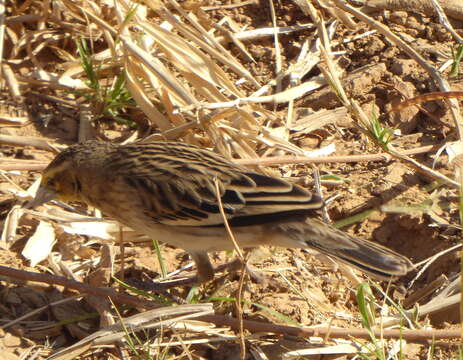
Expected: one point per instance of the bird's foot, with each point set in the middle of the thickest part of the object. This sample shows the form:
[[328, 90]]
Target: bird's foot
[[161, 287], [236, 266]]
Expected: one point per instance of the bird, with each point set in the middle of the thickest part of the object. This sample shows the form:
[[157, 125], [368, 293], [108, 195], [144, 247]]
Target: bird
[[170, 191]]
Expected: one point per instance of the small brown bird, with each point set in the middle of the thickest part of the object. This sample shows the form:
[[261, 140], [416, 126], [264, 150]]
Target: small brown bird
[[167, 190]]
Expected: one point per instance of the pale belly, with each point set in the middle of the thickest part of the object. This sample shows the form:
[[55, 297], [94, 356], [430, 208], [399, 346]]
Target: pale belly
[[203, 239]]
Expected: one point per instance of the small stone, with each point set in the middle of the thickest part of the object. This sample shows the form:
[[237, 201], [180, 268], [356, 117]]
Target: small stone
[[402, 66], [399, 17]]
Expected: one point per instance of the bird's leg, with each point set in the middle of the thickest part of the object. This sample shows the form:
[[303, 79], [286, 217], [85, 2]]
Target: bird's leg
[[205, 271], [236, 265]]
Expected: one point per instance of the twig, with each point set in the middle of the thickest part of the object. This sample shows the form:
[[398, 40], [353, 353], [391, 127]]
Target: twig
[[239, 308], [243, 270], [319, 191], [230, 6], [12, 82], [265, 32], [425, 291], [2, 30], [427, 262], [19, 164], [122, 255], [284, 96], [438, 95], [276, 45], [416, 336], [225, 220], [423, 168], [288, 160], [37, 142], [445, 21], [79, 286], [452, 8]]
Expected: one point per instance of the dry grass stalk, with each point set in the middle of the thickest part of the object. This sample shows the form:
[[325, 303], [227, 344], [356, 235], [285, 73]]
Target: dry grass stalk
[[453, 8], [163, 317]]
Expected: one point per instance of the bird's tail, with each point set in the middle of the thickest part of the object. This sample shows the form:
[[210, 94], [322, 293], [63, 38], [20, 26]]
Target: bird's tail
[[370, 258]]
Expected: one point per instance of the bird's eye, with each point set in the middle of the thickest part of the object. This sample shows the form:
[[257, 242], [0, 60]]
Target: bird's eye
[[51, 183]]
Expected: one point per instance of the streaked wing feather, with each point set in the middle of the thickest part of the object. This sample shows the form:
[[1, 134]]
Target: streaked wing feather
[[178, 188]]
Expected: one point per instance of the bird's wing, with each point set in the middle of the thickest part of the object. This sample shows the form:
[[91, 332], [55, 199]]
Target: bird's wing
[[178, 186]]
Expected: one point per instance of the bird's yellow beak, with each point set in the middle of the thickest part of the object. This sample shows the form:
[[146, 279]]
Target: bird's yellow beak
[[43, 195]]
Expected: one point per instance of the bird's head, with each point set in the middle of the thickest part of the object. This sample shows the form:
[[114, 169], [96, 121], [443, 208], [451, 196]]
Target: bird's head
[[62, 178]]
